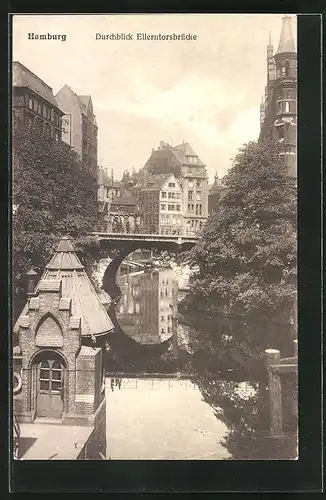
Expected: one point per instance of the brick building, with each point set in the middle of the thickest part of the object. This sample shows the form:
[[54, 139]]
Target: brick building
[[278, 110], [190, 172], [79, 125], [33, 102], [59, 336]]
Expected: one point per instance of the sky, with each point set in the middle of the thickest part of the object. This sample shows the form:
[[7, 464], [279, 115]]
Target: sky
[[205, 91]]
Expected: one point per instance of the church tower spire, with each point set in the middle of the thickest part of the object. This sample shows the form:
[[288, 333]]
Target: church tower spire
[[270, 60]]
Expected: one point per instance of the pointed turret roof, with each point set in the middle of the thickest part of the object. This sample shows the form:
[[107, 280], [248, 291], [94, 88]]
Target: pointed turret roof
[[286, 43], [65, 257], [65, 267]]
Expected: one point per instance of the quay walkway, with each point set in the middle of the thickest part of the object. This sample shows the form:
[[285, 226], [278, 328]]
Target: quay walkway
[[52, 441]]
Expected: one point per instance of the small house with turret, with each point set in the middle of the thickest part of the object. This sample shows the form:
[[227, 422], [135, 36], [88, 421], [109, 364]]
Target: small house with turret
[[60, 375]]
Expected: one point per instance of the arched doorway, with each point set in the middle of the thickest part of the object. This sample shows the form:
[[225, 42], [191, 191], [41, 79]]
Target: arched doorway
[[49, 371]]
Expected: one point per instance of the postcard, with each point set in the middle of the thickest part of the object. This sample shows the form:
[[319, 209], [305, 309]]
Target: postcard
[[154, 208]]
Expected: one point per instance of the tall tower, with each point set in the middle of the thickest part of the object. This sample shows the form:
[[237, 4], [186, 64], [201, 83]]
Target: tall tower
[[285, 90], [270, 61], [278, 116]]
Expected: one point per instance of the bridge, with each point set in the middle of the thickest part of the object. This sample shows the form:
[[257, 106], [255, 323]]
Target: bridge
[[125, 243], [139, 238]]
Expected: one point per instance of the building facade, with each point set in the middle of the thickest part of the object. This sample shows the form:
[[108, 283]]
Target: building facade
[[33, 102], [79, 127], [190, 172], [278, 110], [161, 203]]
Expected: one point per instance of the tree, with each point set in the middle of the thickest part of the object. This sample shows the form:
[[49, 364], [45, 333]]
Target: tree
[[53, 194], [247, 252]]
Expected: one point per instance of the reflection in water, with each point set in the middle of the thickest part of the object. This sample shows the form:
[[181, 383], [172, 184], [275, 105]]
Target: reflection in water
[[222, 355], [147, 309]]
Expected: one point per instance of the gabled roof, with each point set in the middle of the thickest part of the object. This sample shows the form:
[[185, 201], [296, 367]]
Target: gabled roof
[[181, 151], [24, 77], [66, 268], [286, 43], [157, 181], [83, 101]]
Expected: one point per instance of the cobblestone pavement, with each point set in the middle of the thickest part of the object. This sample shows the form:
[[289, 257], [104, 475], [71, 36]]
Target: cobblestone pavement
[[161, 419]]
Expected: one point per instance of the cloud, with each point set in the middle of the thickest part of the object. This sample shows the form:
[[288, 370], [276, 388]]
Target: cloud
[[205, 92]]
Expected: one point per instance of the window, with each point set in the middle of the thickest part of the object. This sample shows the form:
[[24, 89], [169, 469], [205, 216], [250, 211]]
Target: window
[[39, 108], [163, 206], [198, 209], [283, 70], [163, 194], [177, 208], [190, 195], [171, 207], [287, 107], [190, 184], [44, 111], [30, 103], [280, 132], [171, 195], [287, 68], [198, 195], [178, 196], [198, 183], [171, 184]]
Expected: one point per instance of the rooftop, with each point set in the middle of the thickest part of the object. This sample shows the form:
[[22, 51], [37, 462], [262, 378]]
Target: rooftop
[[65, 268], [157, 181], [24, 77], [286, 43], [125, 200], [184, 150]]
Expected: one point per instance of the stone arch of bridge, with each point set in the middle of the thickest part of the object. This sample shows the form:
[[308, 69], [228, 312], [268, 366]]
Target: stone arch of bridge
[[123, 250]]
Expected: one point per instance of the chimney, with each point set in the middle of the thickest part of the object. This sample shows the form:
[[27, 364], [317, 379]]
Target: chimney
[[31, 282]]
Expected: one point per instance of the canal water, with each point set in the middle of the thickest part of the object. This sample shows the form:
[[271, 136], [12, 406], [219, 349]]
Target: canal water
[[169, 396]]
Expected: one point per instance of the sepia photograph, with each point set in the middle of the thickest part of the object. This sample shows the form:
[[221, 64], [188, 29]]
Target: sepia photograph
[[154, 237]]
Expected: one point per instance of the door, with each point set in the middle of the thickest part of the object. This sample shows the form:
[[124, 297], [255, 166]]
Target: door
[[50, 389]]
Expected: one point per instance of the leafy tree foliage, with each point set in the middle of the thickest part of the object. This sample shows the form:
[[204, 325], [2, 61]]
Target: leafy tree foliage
[[53, 195], [247, 252]]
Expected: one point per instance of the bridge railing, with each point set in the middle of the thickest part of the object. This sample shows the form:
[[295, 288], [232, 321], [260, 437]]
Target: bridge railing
[[149, 236], [144, 231]]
